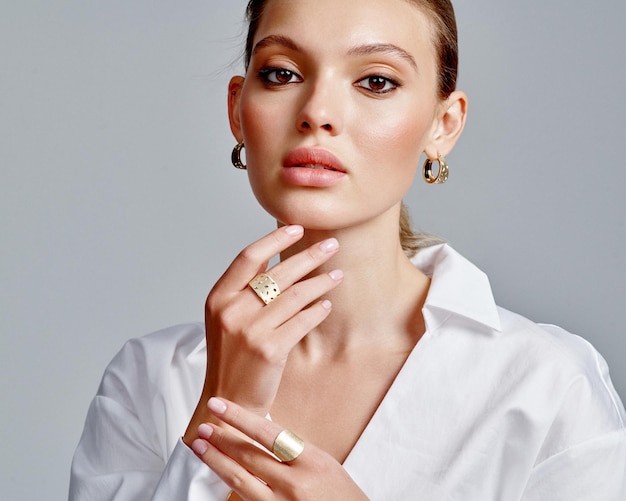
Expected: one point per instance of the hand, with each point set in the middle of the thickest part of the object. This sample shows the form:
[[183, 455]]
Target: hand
[[248, 342], [255, 475]]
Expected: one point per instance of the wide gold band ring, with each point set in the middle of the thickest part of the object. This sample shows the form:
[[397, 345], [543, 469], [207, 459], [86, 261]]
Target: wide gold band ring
[[287, 446], [265, 288]]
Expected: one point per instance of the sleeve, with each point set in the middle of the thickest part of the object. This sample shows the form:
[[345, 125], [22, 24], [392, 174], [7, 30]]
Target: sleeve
[[584, 453], [122, 454], [595, 469]]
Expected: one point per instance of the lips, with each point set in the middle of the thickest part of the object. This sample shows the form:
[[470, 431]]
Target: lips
[[313, 158], [312, 168]]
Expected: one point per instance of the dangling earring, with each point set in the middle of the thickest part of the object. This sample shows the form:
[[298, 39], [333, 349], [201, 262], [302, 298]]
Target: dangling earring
[[235, 156], [442, 172]]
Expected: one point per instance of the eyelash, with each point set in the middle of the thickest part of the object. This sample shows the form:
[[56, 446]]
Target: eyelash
[[265, 74], [394, 83]]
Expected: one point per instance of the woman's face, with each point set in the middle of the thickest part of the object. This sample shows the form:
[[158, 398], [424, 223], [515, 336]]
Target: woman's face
[[338, 103]]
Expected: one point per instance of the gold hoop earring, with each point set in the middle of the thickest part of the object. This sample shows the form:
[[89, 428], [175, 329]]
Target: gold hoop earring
[[235, 156], [442, 173]]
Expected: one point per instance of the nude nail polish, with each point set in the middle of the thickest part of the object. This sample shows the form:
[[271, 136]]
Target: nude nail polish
[[205, 431], [329, 245], [216, 405], [293, 230], [199, 446], [336, 275]]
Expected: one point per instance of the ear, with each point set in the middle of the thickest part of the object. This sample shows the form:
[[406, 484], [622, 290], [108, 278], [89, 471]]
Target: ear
[[234, 98], [448, 125]]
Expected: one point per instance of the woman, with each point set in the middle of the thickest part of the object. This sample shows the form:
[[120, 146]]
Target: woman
[[368, 375]]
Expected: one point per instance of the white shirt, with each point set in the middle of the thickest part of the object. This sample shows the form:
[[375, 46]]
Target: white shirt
[[488, 406]]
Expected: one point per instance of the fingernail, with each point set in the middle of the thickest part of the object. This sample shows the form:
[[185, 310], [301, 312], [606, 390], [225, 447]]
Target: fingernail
[[329, 245], [205, 431], [199, 446], [326, 304], [293, 230], [216, 405], [336, 275]]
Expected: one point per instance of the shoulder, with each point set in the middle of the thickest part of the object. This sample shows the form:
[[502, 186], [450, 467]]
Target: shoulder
[[543, 383], [561, 378], [548, 347], [146, 361], [163, 345]]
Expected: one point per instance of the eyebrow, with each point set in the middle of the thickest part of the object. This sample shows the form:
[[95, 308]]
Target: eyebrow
[[276, 40], [360, 50], [384, 48]]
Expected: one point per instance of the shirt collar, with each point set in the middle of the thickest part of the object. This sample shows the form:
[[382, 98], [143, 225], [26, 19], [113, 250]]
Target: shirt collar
[[457, 288]]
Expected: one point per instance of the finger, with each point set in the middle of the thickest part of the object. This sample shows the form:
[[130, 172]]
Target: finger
[[293, 269], [258, 428], [241, 450], [253, 258], [296, 298], [236, 476], [294, 330], [273, 345]]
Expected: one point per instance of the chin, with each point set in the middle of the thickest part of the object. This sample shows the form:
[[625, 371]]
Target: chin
[[316, 220], [292, 209], [308, 222], [324, 213], [309, 219]]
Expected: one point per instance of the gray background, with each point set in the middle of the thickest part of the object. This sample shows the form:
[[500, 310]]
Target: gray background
[[119, 206]]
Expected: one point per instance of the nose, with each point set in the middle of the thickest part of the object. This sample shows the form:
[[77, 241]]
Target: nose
[[321, 109]]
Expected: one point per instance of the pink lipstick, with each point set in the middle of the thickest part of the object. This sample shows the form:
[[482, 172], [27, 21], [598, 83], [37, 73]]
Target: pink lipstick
[[314, 167]]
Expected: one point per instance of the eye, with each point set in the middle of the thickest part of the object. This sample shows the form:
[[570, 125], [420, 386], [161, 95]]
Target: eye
[[378, 84], [279, 76]]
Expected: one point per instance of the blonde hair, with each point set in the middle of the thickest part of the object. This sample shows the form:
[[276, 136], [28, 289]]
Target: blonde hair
[[411, 240]]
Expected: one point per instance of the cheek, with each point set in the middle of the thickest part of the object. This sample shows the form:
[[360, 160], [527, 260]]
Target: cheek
[[254, 124], [395, 142], [263, 113], [263, 125]]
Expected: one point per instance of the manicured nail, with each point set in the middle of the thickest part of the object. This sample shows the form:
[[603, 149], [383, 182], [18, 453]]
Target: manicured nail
[[326, 304], [199, 446], [293, 230], [217, 406], [329, 245], [205, 431], [336, 275]]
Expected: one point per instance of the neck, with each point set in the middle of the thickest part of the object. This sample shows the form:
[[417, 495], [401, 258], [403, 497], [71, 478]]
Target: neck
[[380, 300]]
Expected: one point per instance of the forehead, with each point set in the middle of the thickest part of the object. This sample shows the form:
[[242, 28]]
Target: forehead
[[339, 25]]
